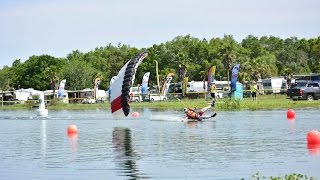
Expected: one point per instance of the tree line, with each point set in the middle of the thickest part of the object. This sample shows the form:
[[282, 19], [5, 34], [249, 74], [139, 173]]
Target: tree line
[[262, 57]]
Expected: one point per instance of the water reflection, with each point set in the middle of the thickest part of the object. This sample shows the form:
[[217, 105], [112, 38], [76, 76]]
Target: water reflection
[[73, 143], [125, 154], [314, 149], [43, 137], [191, 124], [194, 124], [292, 126]]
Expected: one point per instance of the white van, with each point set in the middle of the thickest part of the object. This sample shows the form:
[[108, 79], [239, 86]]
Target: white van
[[135, 94]]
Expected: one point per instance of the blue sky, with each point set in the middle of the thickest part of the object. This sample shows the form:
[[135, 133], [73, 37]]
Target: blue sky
[[57, 27]]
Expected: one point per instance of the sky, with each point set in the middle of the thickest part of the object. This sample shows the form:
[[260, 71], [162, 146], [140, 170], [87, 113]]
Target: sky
[[58, 27]]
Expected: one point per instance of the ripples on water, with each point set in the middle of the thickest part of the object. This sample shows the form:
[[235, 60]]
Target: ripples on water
[[155, 146]]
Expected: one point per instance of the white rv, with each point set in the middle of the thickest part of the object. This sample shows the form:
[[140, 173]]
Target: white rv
[[23, 94], [274, 85], [49, 95], [197, 86], [101, 95]]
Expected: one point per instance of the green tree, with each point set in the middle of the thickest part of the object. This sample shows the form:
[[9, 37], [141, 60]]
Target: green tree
[[5, 79], [229, 53], [34, 72], [79, 75]]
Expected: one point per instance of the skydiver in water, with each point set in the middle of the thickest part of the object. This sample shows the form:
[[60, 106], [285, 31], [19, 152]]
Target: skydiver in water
[[192, 114]]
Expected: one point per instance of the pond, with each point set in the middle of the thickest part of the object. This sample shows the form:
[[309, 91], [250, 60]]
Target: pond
[[156, 145]]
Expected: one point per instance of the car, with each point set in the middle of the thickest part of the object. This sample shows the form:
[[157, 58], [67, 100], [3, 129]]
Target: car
[[155, 97], [135, 98], [88, 100]]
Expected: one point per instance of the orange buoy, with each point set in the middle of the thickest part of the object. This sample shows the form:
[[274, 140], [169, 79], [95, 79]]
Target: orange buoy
[[72, 129], [291, 114], [313, 137], [135, 114]]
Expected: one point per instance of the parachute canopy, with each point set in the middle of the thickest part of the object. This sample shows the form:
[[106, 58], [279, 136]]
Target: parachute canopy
[[121, 86]]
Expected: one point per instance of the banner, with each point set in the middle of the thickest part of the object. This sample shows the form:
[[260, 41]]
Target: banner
[[211, 75], [144, 85], [166, 84], [234, 77], [96, 87], [61, 88]]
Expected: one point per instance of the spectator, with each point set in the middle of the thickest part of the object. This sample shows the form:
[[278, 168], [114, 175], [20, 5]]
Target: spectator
[[253, 89]]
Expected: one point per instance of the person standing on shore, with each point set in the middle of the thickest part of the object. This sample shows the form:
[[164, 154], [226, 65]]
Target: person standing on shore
[[253, 89], [213, 90]]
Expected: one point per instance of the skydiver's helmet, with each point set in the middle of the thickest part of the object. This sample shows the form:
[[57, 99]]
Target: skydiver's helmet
[[185, 110]]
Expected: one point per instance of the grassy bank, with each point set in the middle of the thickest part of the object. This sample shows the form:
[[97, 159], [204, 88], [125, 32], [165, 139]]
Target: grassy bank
[[264, 102]]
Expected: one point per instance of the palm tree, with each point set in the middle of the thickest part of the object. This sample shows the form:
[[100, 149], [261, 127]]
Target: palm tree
[[228, 54], [53, 75], [228, 58]]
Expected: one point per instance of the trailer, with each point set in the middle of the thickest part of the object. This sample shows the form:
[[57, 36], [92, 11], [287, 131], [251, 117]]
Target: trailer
[[275, 85]]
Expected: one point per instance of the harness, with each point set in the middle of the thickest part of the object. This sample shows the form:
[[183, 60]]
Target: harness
[[192, 115]]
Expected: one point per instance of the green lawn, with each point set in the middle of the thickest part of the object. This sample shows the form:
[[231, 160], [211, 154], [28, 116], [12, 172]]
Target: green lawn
[[264, 102]]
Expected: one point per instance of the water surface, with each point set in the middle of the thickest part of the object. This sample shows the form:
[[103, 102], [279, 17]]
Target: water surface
[[155, 145]]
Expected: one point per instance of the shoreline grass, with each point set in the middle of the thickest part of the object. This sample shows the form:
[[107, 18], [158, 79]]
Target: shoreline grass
[[264, 102]]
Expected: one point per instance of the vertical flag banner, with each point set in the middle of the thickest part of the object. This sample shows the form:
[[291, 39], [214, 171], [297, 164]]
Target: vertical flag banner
[[96, 87], [211, 75], [61, 88], [234, 77], [144, 84], [166, 84]]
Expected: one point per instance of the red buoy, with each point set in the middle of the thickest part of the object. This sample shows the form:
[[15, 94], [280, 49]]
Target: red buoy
[[72, 129], [313, 137], [291, 114], [135, 114]]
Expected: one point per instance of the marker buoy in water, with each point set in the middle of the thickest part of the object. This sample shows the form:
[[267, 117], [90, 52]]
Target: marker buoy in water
[[291, 114], [313, 137], [135, 114], [72, 129]]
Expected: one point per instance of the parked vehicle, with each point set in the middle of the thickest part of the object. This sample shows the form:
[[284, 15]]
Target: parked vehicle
[[305, 91], [155, 97], [101, 96], [135, 95], [88, 100], [274, 85]]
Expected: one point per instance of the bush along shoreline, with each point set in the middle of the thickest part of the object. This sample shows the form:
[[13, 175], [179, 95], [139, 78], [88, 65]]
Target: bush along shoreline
[[225, 104]]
